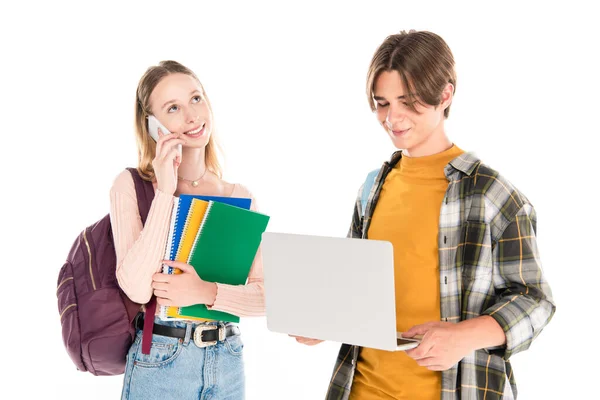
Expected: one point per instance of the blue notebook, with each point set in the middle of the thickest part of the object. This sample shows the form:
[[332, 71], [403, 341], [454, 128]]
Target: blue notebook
[[180, 212]]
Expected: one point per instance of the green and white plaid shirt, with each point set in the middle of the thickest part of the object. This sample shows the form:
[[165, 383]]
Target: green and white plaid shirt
[[489, 265]]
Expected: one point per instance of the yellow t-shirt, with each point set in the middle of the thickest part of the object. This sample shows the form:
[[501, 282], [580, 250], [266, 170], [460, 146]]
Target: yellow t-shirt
[[407, 214]]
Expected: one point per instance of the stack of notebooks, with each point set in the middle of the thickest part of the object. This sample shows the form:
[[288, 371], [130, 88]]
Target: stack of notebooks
[[219, 237]]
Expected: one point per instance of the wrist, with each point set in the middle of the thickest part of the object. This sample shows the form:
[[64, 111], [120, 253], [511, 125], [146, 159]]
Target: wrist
[[210, 293], [167, 191]]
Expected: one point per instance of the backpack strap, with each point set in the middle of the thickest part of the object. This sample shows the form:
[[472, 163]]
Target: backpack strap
[[144, 192], [367, 186]]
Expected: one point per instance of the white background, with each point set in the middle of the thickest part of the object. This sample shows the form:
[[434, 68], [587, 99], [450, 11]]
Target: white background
[[286, 81]]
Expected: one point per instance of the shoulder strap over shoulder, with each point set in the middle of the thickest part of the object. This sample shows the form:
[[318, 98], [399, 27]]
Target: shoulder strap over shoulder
[[367, 186], [144, 192]]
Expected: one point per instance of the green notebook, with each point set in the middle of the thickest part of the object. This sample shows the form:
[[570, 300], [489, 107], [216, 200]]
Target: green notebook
[[224, 250]]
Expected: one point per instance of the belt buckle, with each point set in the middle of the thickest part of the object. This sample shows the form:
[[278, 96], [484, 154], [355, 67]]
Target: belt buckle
[[201, 328]]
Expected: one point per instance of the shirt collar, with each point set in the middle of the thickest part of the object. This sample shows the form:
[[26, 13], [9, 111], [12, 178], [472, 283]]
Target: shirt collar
[[465, 163]]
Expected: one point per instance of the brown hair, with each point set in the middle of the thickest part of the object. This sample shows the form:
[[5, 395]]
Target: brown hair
[[145, 144], [424, 62]]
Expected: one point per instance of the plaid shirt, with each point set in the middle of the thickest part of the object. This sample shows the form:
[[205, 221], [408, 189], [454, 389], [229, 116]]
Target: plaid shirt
[[489, 265]]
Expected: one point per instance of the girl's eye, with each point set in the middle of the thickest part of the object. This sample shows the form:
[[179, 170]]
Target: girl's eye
[[197, 99], [173, 108]]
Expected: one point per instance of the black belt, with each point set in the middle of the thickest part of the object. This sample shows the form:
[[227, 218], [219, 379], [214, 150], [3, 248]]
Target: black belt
[[208, 334]]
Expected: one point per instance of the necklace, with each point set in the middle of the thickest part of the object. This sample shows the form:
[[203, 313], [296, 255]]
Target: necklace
[[194, 182]]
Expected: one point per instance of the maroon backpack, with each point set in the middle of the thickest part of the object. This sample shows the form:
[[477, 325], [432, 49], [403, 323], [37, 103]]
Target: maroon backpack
[[96, 316]]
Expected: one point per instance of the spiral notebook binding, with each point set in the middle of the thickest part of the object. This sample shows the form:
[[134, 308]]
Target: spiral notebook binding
[[206, 214], [170, 245], [169, 248], [184, 234], [174, 223]]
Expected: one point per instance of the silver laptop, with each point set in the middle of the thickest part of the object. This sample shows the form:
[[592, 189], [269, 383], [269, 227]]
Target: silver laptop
[[335, 289]]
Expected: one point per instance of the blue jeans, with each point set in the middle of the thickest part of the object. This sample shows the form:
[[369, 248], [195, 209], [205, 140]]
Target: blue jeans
[[178, 369]]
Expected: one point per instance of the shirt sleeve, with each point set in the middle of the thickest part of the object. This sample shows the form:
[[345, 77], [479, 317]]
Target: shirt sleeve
[[139, 249], [525, 304]]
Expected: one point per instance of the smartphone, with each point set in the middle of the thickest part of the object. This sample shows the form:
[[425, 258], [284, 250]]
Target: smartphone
[[153, 125], [407, 343]]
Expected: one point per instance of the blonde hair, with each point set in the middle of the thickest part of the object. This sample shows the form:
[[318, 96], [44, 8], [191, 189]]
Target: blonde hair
[[424, 62], [145, 144]]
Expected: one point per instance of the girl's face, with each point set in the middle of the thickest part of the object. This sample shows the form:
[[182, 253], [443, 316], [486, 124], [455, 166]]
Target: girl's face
[[178, 103]]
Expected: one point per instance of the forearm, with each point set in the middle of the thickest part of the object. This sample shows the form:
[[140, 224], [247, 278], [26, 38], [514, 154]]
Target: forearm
[[242, 300], [139, 252], [482, 332]]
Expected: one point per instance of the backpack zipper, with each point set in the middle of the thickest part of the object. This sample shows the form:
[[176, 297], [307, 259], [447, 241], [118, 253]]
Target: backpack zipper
[[89, 257]]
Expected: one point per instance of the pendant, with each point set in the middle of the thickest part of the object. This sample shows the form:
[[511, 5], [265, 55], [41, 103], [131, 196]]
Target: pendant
[[194, 183]]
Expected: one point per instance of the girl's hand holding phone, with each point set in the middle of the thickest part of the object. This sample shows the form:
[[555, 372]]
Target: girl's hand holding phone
[[167, 160]]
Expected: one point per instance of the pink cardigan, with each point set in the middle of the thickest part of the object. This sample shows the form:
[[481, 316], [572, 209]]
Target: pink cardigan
[[140, 251]]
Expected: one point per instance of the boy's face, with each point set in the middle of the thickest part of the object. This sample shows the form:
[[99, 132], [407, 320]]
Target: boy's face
[[419, 133]]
